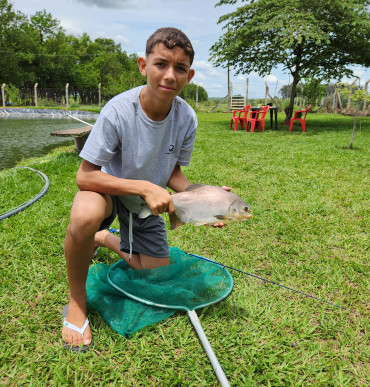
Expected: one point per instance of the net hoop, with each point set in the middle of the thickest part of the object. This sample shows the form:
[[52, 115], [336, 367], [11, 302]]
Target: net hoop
[[165, 306]]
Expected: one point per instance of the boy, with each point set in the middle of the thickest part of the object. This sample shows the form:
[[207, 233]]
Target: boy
[[133, 153]]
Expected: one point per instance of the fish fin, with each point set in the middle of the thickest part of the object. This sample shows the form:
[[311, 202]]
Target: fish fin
[[194, 186], [221, 217], [175, 223], [145, 212]]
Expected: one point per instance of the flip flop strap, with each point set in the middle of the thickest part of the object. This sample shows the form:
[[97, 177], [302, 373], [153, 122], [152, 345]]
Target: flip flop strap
[[75, 328]]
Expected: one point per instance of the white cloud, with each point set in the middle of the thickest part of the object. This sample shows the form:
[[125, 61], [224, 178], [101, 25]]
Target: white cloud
[[206, 67], [121, 39], [359, 72], [271, 78], [199, 75], [196, 44], [112, 4]]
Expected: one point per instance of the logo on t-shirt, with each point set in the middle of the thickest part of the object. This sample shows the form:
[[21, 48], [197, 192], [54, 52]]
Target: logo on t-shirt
[[171, 148]]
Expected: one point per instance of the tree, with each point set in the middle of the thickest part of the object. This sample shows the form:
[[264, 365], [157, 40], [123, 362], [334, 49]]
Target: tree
[[36, 49], [12, 38], [313, 90], [310, 39], [285, 91], [358, 97], [190, 91], [44, 23]]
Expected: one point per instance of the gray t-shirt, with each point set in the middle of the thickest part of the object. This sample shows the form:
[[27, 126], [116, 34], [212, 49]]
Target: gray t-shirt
[[127, 144]]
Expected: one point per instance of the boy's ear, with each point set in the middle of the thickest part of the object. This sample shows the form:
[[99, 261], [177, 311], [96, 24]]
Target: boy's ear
[[141, 62], [190, 75]]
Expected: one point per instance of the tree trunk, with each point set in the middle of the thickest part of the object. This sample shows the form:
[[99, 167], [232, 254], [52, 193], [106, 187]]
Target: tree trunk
[[289, 109]]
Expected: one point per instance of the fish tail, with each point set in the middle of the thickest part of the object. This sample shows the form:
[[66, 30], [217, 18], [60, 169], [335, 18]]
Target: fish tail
[[145, 212]]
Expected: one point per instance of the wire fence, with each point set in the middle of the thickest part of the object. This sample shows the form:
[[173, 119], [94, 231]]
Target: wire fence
[[52, 96], [74, 96]]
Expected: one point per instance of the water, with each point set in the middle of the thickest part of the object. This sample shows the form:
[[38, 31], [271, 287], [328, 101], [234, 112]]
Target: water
[[23, 137]]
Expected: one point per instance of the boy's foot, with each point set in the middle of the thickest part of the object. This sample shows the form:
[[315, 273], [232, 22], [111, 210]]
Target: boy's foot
[[72, 339], [99, 238]]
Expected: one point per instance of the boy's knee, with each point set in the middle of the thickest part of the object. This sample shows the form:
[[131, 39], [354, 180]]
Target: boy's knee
[[84, 221], [79, 226]]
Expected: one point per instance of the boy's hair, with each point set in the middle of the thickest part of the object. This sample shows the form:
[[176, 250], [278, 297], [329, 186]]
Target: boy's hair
[[170, 37]]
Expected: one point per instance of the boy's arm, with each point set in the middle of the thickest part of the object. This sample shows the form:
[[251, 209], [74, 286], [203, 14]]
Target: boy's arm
[[178, 182], [91, 178]]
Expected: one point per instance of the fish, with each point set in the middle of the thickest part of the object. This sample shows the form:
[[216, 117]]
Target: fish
[[203, 204]]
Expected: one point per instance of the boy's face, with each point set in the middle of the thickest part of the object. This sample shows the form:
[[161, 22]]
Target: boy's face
[[167, 71]]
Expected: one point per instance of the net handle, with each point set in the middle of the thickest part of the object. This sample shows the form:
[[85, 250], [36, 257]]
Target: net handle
[[208, 348]]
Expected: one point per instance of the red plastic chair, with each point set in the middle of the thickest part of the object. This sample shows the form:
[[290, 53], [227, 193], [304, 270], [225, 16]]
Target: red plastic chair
[[256, 119], [240, 115], [298, 116]]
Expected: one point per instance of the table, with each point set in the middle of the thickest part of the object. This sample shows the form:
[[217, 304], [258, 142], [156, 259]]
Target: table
[[80, 136], [273, 114]]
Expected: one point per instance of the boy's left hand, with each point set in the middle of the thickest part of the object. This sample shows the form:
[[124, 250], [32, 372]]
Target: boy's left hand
[[220, 224]]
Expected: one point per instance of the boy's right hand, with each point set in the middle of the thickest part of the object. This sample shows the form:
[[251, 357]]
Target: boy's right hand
[[159, 200]]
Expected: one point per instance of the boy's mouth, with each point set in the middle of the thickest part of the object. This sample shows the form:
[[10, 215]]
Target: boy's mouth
[[167, 88]]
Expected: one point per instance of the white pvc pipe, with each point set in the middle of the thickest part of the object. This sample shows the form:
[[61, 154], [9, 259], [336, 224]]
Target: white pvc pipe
[[207, 346], [68, 115]]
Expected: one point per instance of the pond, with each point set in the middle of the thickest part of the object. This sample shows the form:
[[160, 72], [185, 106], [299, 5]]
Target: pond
[[22, 137]]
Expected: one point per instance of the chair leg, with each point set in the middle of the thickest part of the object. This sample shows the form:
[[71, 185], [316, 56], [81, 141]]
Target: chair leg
[[291, 125], [253, 123], [303, 125], [236, 125]]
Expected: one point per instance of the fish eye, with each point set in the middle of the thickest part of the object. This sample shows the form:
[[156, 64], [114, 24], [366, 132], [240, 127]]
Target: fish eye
[[246, 209]]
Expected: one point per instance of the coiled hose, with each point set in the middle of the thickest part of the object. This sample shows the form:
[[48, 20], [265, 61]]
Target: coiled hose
[[33, 200]]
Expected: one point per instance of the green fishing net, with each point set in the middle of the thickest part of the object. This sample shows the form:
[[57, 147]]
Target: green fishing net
[[129, 300]]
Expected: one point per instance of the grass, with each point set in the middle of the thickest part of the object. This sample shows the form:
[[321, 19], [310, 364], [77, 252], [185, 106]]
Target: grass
[[310, 198]]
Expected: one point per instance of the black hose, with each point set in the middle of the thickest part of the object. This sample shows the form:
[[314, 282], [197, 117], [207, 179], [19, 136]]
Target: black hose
[[27, 204]]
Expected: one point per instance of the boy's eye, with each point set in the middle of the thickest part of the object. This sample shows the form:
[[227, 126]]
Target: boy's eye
[[160, 64]]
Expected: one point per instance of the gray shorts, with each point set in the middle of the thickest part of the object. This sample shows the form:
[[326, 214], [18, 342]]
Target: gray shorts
[[149, 234]]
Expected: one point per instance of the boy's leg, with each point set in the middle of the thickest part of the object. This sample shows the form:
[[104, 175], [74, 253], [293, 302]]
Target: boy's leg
[[89, 209], [138, 261]]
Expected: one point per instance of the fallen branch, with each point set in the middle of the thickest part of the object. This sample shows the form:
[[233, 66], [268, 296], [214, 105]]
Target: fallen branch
[[275, 102], [223, 99]]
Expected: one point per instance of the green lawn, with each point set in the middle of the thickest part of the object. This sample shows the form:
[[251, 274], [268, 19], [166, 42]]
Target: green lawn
[[310, 199]]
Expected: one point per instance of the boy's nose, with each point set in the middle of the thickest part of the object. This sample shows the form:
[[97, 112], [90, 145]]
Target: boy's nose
[[170, 74]]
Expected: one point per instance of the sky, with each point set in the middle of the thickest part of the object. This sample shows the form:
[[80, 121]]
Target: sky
[[131, 22]]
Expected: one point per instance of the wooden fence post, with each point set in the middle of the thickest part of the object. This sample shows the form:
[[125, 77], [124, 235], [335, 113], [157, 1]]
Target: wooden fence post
[[365, 99], [67, 97], [230, 91], [35, 93], [197, 96], [334, 101], [246, 91], [2, 94], [350, 92], [266, 92], [99, 87], [339, 98]]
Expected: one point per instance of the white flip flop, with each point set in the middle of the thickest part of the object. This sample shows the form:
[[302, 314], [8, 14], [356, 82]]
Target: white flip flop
[[81, 331]]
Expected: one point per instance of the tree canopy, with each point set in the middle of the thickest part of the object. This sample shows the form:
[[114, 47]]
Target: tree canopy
[[310, 39], [190, 91], [36, 49]]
